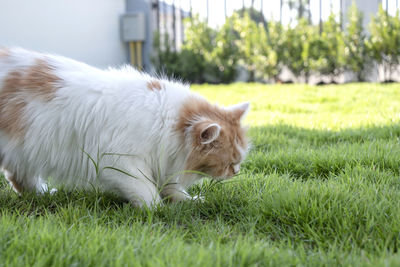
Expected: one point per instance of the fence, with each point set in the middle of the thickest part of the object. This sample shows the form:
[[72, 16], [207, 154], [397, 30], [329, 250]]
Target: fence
[[170, 13]]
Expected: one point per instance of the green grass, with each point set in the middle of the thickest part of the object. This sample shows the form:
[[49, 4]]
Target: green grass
[[321, 186]]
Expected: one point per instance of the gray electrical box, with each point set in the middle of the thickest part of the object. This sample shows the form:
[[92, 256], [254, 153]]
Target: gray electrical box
[[134, 27]]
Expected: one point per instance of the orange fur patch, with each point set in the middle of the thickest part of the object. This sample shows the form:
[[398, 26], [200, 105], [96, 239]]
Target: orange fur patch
[[36, 81], [196, 107], [218, 157], [17, 186], [154, 85]]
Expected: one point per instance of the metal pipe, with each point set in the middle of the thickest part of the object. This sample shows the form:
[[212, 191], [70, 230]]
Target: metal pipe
[[207, 11], [132, 53], [139, 55], [173, 26], [225, 8], [387, 7], [158, 14], [320, 17], [341, 14]]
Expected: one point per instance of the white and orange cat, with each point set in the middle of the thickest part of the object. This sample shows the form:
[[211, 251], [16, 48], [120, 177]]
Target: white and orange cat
[[141, 137]]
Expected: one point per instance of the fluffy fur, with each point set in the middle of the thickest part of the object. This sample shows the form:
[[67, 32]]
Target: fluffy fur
[[124, 131]]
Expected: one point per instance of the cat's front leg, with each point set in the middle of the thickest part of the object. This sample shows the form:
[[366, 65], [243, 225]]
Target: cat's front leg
[[175, 193], [135, 185]]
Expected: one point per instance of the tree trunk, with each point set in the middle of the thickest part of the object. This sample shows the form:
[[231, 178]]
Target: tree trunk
[[251, 76], [384, 71], [306, 77], [360, 76]]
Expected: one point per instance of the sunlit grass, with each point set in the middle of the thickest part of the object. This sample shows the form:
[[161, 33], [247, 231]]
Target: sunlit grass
[[314, 107], [321, 186]]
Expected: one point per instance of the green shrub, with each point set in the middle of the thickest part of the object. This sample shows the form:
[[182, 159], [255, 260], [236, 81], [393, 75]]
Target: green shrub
[[356, 53], [225, 54], [165, 60], [263, 48], [297, 49], [269, 63], [248, 43], [197, 49], [384, 42], [333, 48], [190, 63]]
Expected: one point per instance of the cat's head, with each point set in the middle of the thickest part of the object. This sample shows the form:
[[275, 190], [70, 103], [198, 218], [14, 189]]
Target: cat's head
[[215, 136]]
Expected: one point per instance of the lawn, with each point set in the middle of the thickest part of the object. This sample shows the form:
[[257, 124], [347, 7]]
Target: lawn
[[321, 186]]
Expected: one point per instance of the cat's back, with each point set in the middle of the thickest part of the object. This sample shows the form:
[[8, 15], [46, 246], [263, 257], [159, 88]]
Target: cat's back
[[33, 72], [43, 88], [29, 70]]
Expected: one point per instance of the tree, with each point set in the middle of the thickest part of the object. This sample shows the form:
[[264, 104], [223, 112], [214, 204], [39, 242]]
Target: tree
[[193, 61], [333, 48], [315, 52], [196, 50], [254, 14], [302, 7], [296, 55], [271, 66], [356, 54], [384, 41], [248, 43], [165, 59], [225, 54]]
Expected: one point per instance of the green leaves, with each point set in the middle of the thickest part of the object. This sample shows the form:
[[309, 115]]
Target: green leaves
[[384, 42], [247, 41], [356, 53]]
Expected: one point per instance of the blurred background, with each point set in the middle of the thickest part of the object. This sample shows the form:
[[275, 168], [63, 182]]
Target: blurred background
[[218, 41]]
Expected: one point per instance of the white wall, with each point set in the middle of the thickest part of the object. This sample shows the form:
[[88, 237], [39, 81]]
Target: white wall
[[86, 30]]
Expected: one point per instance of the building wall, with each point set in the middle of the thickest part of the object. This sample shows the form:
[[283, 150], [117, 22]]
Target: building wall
[[86, 30]]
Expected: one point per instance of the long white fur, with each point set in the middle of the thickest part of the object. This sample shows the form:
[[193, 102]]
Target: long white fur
[[96, 112]]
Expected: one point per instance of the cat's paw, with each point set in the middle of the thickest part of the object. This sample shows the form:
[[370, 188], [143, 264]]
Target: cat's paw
[[44, 188], [199, 198], [53, 191]]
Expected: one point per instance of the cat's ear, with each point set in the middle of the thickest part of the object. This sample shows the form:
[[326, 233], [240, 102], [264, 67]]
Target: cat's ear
[[240, 110], [209, 133]]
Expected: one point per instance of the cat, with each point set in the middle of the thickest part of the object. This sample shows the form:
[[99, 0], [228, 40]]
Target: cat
[[144, 138]]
